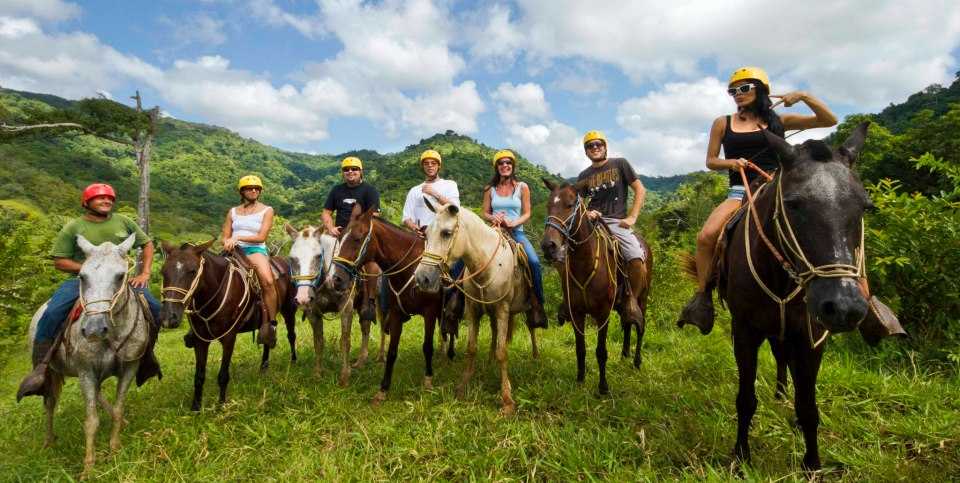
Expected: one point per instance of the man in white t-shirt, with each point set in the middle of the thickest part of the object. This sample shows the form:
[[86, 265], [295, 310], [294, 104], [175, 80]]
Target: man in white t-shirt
[[416, 215]]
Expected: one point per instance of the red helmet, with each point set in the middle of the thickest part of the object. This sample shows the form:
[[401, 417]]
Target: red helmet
[[97, 189]]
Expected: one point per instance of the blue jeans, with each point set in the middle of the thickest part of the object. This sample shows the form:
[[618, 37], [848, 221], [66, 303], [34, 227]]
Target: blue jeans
[[62, 301], [534, 261]]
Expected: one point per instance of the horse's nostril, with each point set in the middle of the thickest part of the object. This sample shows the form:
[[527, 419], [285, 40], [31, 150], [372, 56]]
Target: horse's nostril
[[828, 308]]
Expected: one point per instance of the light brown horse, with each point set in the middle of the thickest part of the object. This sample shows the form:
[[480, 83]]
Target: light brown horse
[[585, 254]]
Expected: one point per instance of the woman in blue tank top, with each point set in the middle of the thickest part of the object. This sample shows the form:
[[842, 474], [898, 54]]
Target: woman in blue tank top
[[506, 204], [742, 139]]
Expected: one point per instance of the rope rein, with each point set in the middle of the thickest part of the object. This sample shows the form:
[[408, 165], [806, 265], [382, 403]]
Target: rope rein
[[119, 300], [192, 310]]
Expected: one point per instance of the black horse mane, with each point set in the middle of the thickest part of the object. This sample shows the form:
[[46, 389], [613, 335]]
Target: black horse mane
[[818, 150]]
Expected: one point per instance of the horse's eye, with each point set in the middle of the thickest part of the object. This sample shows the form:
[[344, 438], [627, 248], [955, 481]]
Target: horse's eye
[[118, 277], [446, 233], [569, 205]]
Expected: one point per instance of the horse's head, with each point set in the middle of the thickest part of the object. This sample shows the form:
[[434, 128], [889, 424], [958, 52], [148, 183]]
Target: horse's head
[[353, 250], [442, 248], [823, 202], [182, 273], [562, 209], [310, 257], [103, 281]]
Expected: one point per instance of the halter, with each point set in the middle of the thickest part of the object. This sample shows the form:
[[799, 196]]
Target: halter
[[350, 266], [192, 310], [310, 279], [565, 226], [122, 293], [787, 238], [441, 262]]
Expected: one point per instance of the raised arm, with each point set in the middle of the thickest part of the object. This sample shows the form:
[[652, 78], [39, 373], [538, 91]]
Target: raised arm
[[822, 116]]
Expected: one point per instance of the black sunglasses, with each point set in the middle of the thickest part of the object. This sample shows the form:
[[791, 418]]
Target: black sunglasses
[[351, 168], [742, 89], [504, 162], [594, 145]]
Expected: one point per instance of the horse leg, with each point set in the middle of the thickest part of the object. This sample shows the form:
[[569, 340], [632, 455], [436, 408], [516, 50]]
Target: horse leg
[[745, 346], [90, 387], [780, 356], [602, 359], [641, 328], [430, 323], [223, 377], [364, 343], [396, 328], [581, 346], [123, 385], [535, 351], [290, 320], [804, 368], [626, 326], [506, 392], [346, 323], [493, 337], [473, 319], [317, 324], [383, 341], [200, 349], [54, 385]]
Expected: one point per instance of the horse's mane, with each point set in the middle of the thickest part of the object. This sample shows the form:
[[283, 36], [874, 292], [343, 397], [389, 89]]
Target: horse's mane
[[394, 227], [818, 150]]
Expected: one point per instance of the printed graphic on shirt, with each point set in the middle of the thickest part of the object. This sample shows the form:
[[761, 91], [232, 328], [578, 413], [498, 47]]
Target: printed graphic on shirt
[[603, 180]]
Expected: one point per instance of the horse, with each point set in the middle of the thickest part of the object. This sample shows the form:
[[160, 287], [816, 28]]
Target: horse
[[495, 283], [368, 237], [798, 288], [108, 340], [592, 258], [311, 266], [216, 294]]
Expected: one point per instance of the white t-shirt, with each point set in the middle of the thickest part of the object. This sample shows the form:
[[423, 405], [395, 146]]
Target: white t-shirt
[[415, 209]]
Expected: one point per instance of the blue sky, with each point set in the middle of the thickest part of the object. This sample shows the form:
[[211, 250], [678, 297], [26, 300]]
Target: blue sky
[[334, 75]]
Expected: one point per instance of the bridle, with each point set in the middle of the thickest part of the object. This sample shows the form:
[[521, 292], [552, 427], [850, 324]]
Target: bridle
[[190, 307], [120, 297], [566, 226], [441, 262], [350, 266], [312, 279]]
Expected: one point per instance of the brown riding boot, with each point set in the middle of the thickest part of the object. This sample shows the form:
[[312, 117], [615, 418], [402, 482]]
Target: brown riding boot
[[630, 309], [149, 365], [880, 322], [698, 312], [35, 383]]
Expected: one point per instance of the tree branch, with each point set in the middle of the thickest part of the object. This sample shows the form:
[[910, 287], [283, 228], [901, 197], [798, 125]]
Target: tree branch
[[8, 128]]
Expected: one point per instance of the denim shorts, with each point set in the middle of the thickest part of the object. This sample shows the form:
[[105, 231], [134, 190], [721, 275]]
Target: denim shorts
[[250, 250], [736, 192]]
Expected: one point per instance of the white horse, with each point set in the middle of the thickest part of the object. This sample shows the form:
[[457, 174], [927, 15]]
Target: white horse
[[108, 340], [311, 259], [494, 283]]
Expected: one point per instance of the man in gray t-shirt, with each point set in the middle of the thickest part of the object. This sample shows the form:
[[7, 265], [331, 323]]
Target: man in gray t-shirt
[[606, 182]]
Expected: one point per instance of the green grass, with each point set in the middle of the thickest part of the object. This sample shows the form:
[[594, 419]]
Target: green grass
[[673, 419]]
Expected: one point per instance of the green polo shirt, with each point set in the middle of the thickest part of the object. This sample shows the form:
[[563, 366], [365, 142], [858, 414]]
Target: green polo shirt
[[114, 229]]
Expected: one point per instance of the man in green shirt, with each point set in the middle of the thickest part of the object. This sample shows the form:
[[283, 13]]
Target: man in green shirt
[[98, 225]]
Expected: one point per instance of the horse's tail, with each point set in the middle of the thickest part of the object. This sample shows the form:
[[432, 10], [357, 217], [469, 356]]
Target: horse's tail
[[688, 264]]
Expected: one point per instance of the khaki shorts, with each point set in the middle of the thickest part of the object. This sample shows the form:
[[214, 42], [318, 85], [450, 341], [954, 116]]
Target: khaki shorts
[[630, 248]]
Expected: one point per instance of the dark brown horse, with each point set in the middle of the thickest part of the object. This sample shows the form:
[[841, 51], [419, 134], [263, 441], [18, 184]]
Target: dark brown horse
[[216, 294], [585, 255], [789, 274], [397, 252]]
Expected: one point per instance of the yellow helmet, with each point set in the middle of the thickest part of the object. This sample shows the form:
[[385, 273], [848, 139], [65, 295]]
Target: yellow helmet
[[504, 153], [431, 154], [250, 180], [351, 161], [750, 73], [593, 135]]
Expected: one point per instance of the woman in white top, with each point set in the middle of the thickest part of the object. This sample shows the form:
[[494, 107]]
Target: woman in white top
[[246, 228]]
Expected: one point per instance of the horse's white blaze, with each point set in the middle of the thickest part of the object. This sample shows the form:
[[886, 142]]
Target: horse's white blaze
[[303, 294], [178, 266], [556, 199]]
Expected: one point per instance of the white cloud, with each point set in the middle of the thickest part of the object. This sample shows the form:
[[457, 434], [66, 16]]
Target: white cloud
[[520, 103], [199, 28], [52, 10], [861, 53], [456, 108], [491, 36], [310, 26]]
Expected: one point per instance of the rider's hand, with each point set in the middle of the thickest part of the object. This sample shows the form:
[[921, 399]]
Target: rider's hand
[[335, 231], [790, 98], [422, 232], [140, 281], [593, 215], [628, 222], [229, 243], [428, 190], [738, 163]]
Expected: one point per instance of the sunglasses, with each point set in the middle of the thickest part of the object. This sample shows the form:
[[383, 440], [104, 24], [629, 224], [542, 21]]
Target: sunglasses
[[505, 162], [594, 145], [351, 168], [248, 188], [742, 89]]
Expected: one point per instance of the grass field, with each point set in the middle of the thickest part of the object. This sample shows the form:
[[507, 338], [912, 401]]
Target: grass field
[[672, 419]]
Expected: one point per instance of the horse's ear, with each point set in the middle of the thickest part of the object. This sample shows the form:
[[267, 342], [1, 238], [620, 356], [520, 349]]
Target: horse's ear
[[318, 233], [127, 244], [549, 183], [581, 186], [781, 147], [85, 245], [293, 232], [356, 211], [429, 205], [854, 144], [453, 209], [198, 249]]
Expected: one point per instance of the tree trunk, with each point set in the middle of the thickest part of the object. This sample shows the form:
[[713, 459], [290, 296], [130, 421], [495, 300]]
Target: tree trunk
[[143, 145]]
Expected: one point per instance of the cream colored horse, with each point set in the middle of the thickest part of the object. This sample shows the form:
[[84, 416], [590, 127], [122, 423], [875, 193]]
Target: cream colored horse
[[494, 284], [107, 341]]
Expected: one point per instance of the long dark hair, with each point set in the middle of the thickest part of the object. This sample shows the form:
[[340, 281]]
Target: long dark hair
[[762, 107], [496, 178]]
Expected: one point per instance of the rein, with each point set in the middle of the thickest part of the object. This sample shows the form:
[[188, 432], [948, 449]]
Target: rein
[[191, 309], [787, 238], [122, 293], [440, 261]]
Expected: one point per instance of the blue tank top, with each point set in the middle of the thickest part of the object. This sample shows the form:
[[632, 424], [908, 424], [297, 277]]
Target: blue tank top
[[511, 205]]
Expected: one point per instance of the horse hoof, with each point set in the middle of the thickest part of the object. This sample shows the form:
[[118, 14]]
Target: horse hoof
[[379, 398], [508, 410], [344, 379], [359, 363], [49, 442], [428, 383], [461, 392], [115, 446]]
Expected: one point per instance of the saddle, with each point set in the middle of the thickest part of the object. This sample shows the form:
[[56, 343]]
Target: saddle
[[520, 256], [278, 266]]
